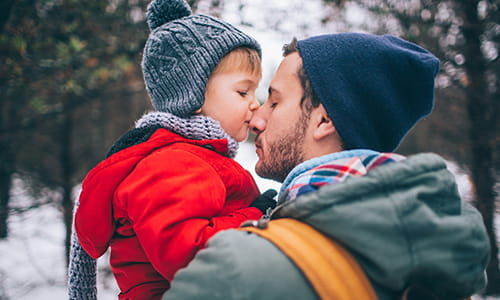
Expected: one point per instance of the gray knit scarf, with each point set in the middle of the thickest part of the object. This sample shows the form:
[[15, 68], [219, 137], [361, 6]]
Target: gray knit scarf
[[82, 271], [194, 127]]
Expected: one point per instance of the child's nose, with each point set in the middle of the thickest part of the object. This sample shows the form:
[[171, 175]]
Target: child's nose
[[254, 104]]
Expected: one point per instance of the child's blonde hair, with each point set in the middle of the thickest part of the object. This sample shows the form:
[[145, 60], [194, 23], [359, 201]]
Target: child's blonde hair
[[240, 59]]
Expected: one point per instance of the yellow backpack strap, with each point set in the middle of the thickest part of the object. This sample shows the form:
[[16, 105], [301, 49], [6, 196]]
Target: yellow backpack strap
[[330, 269]]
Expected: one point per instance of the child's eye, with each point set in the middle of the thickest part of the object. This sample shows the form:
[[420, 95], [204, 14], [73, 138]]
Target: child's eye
[[273, 104], [242, 93]]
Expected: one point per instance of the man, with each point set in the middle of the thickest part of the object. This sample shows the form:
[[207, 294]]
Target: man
[[337, 106]]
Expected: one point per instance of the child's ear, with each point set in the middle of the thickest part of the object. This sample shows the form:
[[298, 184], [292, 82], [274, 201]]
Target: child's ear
[[323, 124], [197, 112]]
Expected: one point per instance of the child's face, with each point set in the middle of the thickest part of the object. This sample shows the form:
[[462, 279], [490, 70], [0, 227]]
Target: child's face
[[230, 99]]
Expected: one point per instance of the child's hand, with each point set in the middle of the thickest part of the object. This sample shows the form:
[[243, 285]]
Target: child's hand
[[265, 201]]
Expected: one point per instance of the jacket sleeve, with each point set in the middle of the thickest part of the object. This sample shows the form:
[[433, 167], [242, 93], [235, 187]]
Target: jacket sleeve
[[240, 265], [211, 275], [174, 201]]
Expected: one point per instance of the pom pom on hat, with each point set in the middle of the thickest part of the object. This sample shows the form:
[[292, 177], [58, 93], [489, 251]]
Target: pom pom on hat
[[181, 52], [160, 12]]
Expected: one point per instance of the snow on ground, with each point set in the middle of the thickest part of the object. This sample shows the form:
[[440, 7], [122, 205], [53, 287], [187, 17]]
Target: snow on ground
[[32, 259]]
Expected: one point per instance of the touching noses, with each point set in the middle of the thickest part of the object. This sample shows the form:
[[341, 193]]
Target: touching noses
[[257, 123], [254, 104]]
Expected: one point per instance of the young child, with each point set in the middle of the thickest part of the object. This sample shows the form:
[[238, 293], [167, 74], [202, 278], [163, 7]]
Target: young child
[[170, 184]]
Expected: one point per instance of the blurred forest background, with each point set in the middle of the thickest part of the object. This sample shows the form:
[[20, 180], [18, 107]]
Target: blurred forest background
[[70, 84]]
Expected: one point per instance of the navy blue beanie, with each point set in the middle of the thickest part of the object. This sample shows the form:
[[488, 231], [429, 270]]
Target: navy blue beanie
[[374, 88]]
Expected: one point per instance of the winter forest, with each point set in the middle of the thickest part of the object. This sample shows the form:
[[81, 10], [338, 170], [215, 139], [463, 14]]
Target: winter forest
[[71, 84]]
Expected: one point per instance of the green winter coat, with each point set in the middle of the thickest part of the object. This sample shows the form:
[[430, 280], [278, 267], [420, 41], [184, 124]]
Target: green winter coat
[[404, 222]]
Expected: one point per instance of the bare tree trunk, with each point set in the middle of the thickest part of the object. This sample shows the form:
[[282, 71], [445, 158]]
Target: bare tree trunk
[[7, 161], [481, 109], [5, 184], [5, 8], [67, 175], [7, 116], [483, 177]]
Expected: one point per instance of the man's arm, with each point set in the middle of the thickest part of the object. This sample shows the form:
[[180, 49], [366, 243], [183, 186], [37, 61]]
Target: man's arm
[[239, 265], [211, 275]]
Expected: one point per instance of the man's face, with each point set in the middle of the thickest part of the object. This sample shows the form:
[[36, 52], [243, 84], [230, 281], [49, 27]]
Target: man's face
[[280, 123]]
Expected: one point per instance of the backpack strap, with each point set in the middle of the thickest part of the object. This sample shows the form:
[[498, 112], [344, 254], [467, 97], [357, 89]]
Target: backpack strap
[[330, 269]]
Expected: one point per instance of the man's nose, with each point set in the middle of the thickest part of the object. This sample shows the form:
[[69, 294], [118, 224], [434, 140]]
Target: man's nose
[[257, 123]]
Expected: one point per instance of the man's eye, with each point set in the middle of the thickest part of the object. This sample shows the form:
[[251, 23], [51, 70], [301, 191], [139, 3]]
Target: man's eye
[[273, 104], [242, 94]]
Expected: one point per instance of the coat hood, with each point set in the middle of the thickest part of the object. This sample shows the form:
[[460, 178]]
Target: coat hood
[[405, 223]]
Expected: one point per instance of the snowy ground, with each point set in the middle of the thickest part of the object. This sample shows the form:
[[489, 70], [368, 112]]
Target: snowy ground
[[32, 264]]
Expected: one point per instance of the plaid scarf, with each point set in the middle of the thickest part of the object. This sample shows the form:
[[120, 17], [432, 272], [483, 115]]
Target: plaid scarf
[[337, 170]]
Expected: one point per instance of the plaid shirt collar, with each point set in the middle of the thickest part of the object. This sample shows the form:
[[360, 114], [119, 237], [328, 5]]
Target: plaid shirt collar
[[332, 168]]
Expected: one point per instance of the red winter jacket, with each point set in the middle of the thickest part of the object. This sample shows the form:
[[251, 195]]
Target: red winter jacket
[[156, 204]]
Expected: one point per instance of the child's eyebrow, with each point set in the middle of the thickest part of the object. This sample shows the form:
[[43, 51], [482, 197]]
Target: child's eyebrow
[[247, 81]]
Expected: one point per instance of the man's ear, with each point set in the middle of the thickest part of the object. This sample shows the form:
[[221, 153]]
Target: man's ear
[[323, 124]]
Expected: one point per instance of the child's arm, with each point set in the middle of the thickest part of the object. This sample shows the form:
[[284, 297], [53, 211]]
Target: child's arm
[[174, 201]]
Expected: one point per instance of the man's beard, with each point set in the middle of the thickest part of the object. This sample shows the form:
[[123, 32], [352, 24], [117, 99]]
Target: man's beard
[[285, 153]]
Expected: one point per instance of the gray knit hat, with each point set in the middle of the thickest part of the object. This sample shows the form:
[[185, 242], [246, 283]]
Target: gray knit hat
[[181, 52]]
